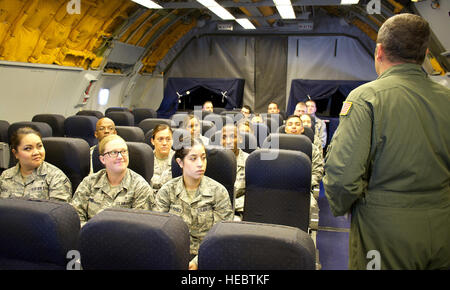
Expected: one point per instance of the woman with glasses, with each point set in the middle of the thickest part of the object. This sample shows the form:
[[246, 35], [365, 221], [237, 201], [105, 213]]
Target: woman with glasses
[[114, 186], [199, 200], [163, 153], [32, 177]]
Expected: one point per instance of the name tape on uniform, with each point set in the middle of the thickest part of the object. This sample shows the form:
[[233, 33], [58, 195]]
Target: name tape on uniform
[[345, 108]]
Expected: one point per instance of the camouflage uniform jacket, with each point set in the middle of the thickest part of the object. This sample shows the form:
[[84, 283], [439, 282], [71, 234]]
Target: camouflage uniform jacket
[[46, 182], [95, 194], [162, 171], [210, 205], [239, 184], [321, 131], [316, 165]]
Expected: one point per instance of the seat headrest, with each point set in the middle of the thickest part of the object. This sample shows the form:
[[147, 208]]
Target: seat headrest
[[125, 239]]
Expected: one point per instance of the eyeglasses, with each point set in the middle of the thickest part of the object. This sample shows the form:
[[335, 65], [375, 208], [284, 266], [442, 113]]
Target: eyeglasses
[[114, 153], [104, 128]]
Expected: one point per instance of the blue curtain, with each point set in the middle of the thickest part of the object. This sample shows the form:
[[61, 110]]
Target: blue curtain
[[317, 90], [231, 89]]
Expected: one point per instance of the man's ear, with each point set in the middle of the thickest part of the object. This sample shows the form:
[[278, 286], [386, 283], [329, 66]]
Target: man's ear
[[153, 141], [379, 53], [180, 162], [95, 134]]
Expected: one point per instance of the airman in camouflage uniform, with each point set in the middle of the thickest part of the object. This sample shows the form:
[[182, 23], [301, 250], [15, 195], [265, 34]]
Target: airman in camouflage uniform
[[239, 184], [210, 205], [162, 171], [46, 182], [95, 194]]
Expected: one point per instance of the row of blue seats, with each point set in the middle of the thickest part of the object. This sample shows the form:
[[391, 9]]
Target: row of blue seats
[[84, 127], [39, 234]]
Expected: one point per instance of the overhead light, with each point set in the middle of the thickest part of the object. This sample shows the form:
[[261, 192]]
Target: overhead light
[[208, 3], [217, 9], [349, 2], [148, 3], [244, 22], [221, 12], [285, 9]]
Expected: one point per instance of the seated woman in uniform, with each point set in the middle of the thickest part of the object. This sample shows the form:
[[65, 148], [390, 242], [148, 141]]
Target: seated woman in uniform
[[32, 177], [230, 140], [162, 141], [199, 200], [114, 186], [192, 124]]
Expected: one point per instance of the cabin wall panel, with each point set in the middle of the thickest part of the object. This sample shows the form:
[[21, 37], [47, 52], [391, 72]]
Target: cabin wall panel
[[30, 91]]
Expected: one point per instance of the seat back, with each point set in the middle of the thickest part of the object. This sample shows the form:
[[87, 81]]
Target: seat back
[[221, 166], [53, 120], [142, 114], [278, 190], [178, 118], [149, 124], [81, 127], [4, 125], [276, 119], [141, 159], [116, 109], [255, 246], [261, 131], [41, 127], [124, 239], [71, 155], [93, 113], [289, 142], [4, 145], [247, 142], [308, 132], [207, 128], [121, 118], [132, 134], [36, 234], [219, 120]]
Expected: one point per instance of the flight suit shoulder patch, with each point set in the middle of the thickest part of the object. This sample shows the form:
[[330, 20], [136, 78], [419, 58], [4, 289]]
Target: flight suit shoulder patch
[[346, 108]]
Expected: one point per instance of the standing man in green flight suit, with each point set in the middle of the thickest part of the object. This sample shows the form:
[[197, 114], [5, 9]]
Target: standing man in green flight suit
[[388, 163]]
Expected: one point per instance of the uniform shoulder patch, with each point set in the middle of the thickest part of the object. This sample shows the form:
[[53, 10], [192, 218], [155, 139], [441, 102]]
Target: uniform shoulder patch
[[346, 108]]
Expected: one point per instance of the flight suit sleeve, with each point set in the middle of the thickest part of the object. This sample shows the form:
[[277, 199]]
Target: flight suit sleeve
[[80, 200], [346, 162], [60, 188]]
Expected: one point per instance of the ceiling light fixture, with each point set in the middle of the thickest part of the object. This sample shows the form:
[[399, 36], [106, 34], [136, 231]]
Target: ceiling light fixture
[[349, 2], [217, 9], [148, 3], [285, 9], [244, 22]]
